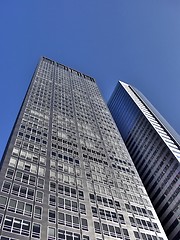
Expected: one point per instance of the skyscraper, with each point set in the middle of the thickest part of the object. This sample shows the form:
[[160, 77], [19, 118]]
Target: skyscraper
[[155, 150], [66, 173]]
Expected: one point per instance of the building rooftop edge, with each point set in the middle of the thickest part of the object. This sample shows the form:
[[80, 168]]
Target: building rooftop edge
[[162, 120], [44, 57]]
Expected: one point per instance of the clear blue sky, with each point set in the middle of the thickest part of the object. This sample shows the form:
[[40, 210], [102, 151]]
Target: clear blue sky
[[137, 41]]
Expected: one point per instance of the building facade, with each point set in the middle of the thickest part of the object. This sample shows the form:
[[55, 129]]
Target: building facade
[[155, 150], [66, 173]]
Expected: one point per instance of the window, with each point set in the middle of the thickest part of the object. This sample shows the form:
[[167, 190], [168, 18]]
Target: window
[[16, 225], [68, 220], [97, 227], [81, 195], [40, 183], [13, 162], [41, 171], [39, 196], [125, 231], [12, 205], [51, 233], [52, 200], [30, 194], [28, 209], [84, 224], [74, 206], [37, 212], [7, 238], [79, 183], [18, 176], [61, 218], [118, 231], [105, 229], [3, 201], [121, 218], [20, 207], [52, 187], [67, 204], [62, 234], [82, 208], [1, 217], [137, 236], [15, 151], [52, 216], [76, 222], [29, 167], [6, 187], [52, 175], [85, 237], [36, 229]]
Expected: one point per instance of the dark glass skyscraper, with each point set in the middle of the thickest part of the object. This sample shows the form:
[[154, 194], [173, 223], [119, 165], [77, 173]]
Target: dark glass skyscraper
[[155, 150], [66, 173]]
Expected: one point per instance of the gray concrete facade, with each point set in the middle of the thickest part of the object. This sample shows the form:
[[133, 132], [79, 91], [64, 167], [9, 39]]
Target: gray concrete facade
[[66, 173]]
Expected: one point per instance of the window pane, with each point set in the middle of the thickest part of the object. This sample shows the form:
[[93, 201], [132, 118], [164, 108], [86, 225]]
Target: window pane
[[51, 232], [3, 200]]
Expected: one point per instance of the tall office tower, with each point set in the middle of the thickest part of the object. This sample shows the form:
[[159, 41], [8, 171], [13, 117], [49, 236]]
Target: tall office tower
[[66, 173], [154, 149]]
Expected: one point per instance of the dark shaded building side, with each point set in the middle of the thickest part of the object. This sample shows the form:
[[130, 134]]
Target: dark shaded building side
[[154, 150]]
